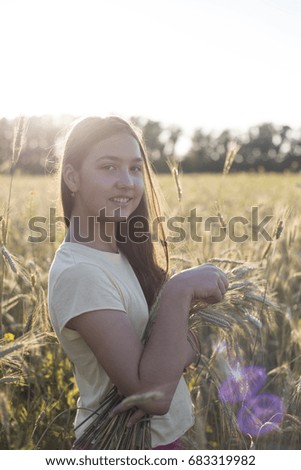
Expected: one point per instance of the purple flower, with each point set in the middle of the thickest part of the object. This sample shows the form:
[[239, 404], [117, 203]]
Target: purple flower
[[261, 414], [242, 384]]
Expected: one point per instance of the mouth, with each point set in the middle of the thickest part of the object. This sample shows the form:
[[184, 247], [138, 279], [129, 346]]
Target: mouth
[[121, 200]]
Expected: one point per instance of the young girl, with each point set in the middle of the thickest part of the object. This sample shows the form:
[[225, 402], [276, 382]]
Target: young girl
[[105, 276]]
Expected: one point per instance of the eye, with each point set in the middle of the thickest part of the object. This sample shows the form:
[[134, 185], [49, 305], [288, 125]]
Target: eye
[[136, 169], [108, 167]]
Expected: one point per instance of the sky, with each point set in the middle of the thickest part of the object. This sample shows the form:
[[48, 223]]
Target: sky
[[212, 64]]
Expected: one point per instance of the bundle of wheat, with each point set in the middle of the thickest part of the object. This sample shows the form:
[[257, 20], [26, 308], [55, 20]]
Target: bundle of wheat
[[111, 433]]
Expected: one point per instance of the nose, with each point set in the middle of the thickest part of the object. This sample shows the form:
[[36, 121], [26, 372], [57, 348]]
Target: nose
[[125, 180]]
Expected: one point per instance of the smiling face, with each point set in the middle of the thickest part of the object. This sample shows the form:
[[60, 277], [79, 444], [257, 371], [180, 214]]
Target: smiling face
[[110, 178]]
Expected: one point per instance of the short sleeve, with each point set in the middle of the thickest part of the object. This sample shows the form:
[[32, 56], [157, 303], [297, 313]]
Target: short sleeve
[[83, 288]]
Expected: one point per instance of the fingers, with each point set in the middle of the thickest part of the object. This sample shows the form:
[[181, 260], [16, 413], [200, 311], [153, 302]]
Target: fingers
[[221, 286], [136, 416], [223, 276], [225, 280], [221, 273], [221, 289], [120, 408], [207, 282]]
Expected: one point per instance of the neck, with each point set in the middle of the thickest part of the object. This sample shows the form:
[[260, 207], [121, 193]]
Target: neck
[[90, 233]]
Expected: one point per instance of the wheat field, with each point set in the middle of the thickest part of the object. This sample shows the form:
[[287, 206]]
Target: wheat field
[[255, 333]]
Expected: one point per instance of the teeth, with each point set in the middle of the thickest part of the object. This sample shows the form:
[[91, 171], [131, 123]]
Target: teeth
[[120, 199]]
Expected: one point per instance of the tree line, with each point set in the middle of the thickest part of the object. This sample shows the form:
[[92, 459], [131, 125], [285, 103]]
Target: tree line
[[265, 147]]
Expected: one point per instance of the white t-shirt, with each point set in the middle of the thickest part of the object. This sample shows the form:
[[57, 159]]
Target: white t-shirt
[[83, 279]]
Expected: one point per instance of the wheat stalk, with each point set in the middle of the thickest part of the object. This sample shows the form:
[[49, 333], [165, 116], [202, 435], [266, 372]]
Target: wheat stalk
[[230, 157], [174, 169], [17, 146]]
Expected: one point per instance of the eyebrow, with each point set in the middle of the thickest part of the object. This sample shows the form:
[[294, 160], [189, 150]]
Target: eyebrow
[[112, 157]]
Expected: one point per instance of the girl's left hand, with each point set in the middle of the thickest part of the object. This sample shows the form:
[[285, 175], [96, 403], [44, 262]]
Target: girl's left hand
[[137, 402], [135, 417]]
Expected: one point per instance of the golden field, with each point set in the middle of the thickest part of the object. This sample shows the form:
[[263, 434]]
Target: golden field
[[261, 312]]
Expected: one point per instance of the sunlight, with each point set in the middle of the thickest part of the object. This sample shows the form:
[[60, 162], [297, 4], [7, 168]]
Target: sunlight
[[195, 65]]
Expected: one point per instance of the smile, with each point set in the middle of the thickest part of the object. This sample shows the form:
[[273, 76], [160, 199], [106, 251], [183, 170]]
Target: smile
[[121, 200]]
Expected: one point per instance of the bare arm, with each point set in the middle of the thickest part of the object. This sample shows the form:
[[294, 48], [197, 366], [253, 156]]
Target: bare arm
[[158, 365]]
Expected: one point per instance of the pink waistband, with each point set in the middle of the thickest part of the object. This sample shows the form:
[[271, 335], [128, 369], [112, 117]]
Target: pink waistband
[[175, 445]]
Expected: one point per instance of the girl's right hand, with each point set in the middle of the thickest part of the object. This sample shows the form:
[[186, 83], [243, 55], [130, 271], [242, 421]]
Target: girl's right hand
[[206, 282]]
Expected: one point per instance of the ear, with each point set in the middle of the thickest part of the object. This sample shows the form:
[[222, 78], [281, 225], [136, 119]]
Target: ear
[[71, 177]]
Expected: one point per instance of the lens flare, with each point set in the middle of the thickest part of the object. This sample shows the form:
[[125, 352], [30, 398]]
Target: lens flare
[[242, 384], [261, 414]]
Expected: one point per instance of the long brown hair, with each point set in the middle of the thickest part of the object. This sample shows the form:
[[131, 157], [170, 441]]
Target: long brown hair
[[149, 259]]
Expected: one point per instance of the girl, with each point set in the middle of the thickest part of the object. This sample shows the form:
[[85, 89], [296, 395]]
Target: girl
[[105, 276]]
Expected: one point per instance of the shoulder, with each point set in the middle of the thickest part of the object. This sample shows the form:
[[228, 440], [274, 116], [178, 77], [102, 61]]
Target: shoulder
[[71, 258], [79, 289], [81, 271]]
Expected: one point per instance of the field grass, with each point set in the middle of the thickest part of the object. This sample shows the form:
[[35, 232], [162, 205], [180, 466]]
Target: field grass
[[262, 327]]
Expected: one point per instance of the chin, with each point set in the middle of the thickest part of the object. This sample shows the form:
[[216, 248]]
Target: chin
[[125, 212]]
